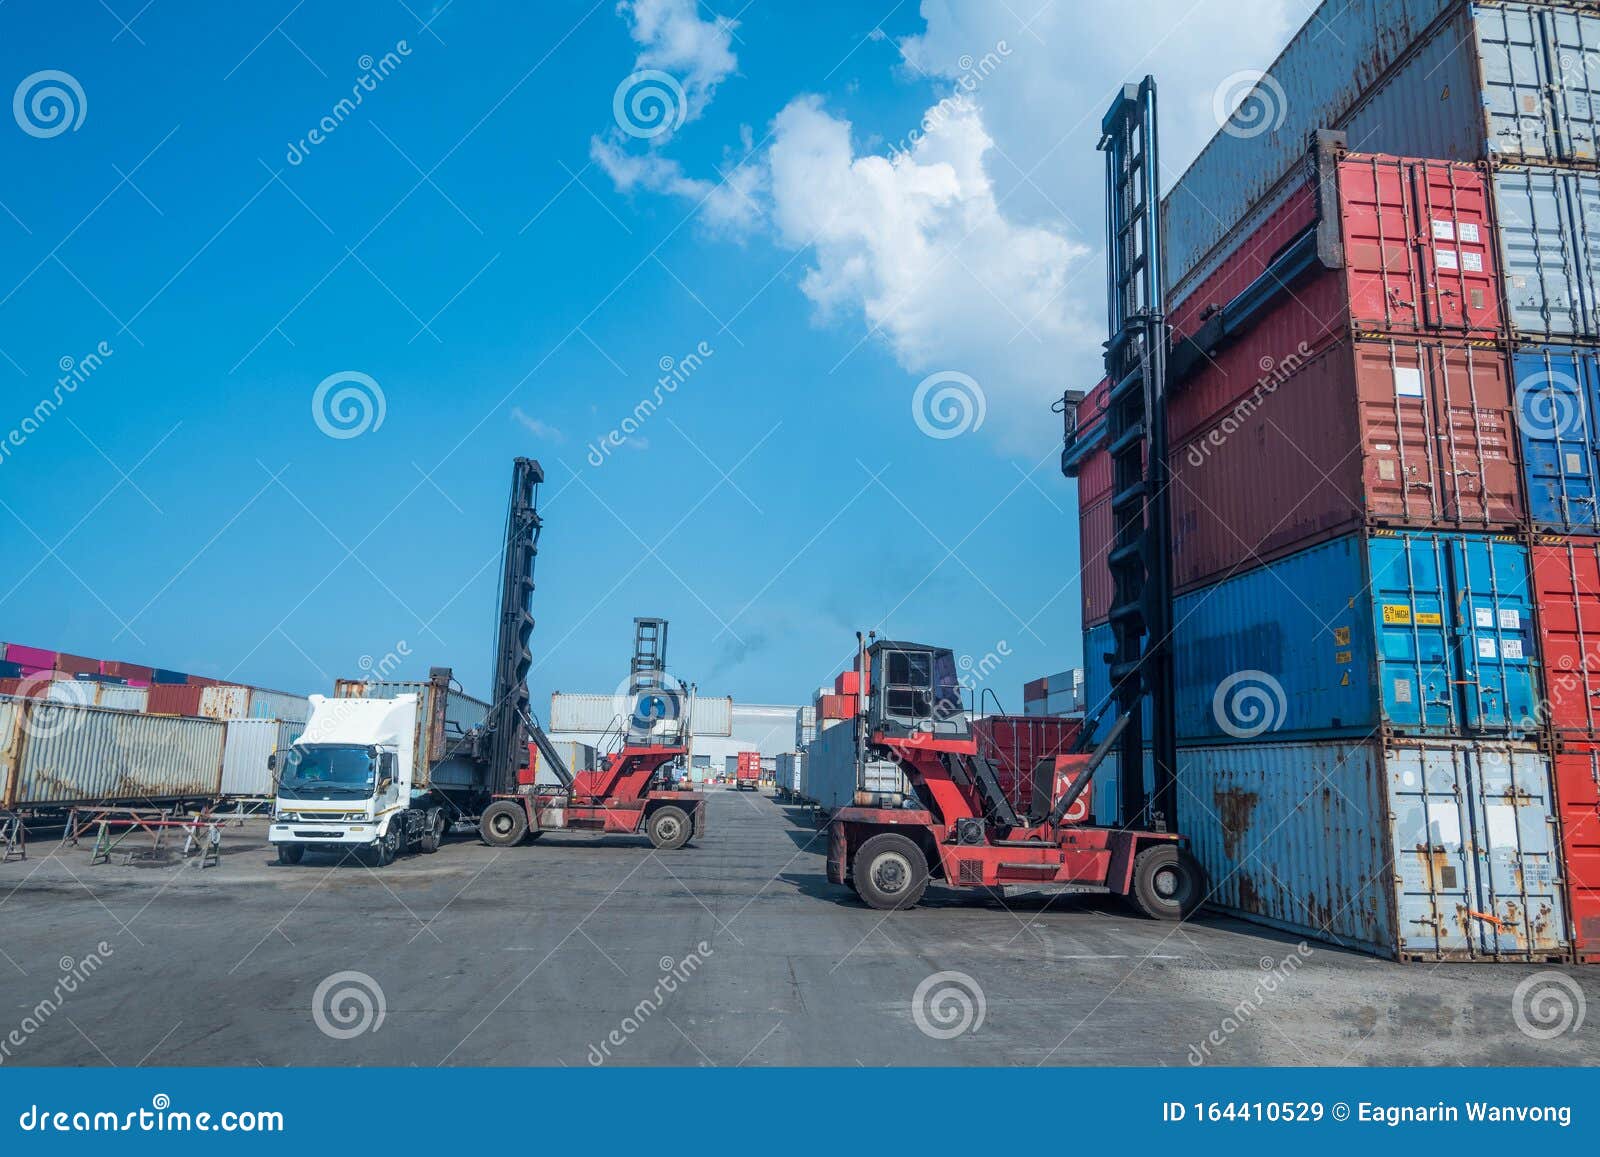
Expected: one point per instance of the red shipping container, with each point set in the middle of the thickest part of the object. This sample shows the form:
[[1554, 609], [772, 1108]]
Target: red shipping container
[[132, 672], [1566, 583], [1094, 475], [836, 707], [76, 664], [32, 657], [1404, 432], [174, 699], [847, 683], [1095, 530], [1418, 251], [1014, 744], [1578, 785], [1035, 689]]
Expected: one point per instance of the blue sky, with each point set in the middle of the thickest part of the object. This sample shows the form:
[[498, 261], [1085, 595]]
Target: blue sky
[[490, 245]]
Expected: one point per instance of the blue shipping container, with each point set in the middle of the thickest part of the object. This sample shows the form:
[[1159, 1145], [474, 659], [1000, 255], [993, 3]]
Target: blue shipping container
[[1558, 413], [1097, 644], [1425, 634]]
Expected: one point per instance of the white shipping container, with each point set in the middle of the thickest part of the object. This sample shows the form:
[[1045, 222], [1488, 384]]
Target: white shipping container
[[249, 743], [89, 693], [225, 701]]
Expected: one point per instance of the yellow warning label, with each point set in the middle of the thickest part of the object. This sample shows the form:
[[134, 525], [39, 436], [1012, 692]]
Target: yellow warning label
[[1341, 636], [1396, 614], [1345, 682], [1341, 656], [1429, 619]]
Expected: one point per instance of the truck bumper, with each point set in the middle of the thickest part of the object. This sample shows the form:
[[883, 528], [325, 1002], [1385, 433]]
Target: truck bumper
[[324, 835]]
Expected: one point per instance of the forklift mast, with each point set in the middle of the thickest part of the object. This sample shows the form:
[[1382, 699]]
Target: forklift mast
[[654, 697], [510, 725], [1135, 435]]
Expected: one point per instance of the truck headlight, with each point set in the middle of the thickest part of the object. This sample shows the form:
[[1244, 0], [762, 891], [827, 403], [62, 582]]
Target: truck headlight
[[287, 818]]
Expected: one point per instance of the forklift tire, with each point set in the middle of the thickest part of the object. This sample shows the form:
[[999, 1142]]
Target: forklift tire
[[290, 854], [504, 824], [890, 872], [1168, 883], [669, 828], [533, 836]]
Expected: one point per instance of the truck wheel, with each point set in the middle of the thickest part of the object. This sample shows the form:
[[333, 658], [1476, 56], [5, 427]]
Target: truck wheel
[[290, 854], [669, 828], [1168, 883], [504, 824], [389, 844], [890, 872], [434, 836]]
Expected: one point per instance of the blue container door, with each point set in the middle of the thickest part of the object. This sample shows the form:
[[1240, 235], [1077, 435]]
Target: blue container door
[[1558, 392], [1519, 903], [1493, 596], [1431, 858], [1410, 607]]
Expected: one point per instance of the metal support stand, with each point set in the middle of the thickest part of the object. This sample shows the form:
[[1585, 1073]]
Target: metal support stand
[[13, 838]]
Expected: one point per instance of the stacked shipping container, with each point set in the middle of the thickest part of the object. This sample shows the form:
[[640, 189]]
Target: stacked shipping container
[[1387, 374]]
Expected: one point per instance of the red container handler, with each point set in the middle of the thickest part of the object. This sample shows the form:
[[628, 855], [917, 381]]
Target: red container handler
[[1578, 787], [1402, 433], [1015, 744]]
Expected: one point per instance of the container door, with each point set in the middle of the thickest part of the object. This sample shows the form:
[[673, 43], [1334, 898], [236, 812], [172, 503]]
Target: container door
[[1566, 582], [1512, 54], [1493, 604], [1432, 863], [1518, 905], [1573, 51], [1477, 453], [1456, 275], [1415, 659], [1583, 248], [1399, 427], [1578, 788], [1555, 404], [1541, 280]]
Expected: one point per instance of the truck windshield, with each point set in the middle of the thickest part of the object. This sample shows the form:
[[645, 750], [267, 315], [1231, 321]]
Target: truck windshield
[[327, 769]]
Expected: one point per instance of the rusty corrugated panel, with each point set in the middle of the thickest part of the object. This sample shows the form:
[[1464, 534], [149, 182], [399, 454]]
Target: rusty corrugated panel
[[173, 699], [225, 701], [93, 755]]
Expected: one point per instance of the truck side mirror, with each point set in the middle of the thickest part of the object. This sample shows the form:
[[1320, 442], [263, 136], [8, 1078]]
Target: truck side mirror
[[272, 762]]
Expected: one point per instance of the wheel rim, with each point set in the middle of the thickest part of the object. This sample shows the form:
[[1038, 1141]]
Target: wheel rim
[[891, 873], [501, 825], [1168, 883], [668, 828]]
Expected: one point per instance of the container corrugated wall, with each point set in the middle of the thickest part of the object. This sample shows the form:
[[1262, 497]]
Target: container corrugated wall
[[1417, 850], [244, 756], [1549, 252], [93, 755], [830, 768], [279, 705], [88, 693]]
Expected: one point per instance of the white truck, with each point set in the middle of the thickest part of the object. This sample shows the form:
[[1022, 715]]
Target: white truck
[[381, 769]]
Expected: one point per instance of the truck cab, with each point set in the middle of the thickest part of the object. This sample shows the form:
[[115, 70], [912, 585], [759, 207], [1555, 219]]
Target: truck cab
[[347, 783]]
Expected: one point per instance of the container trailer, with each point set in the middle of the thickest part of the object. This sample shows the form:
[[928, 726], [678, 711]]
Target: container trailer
[[789, 775], [746, 770]]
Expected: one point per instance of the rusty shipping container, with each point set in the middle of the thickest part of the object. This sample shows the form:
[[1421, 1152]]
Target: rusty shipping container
[[1578, 788], [1507, 83], [1404, 433], [56, 755], [1412, 851], [173, 699]]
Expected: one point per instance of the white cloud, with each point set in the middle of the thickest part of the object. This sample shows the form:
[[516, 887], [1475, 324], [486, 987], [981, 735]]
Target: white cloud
[[674, 39], [537, 428], [729, 206]]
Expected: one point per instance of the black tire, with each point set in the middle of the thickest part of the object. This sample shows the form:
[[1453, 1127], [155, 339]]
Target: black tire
[[504, 824], [388, 846], [289, 854], [889, 872], [669, 828], [1168, 883], [533, 836], [434, 836]]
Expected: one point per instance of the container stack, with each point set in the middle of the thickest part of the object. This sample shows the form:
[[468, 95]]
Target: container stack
[[1384, 407]]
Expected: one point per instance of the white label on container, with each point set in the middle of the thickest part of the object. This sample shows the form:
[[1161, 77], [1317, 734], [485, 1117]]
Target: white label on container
[[1484, 617], [1402, 690], [1472, 262], [1486, 649], [1502, 825], [1446, 259], [1510, 620], [1574, 462], [1407, 382], [1444, 230], [1511, 648], [1469, 233]]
